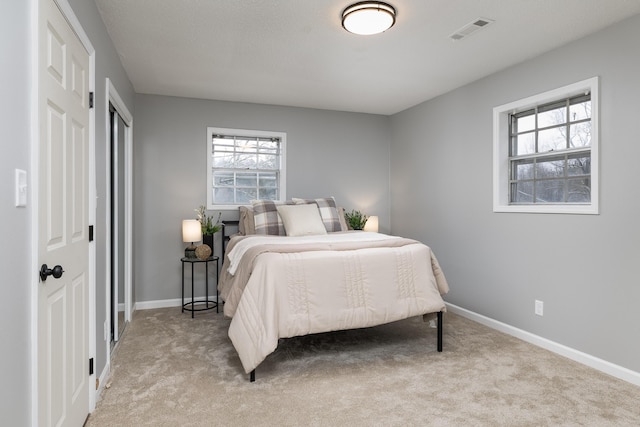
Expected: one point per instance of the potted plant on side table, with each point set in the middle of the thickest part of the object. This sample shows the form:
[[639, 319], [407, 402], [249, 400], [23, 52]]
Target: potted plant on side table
[[209, 228], [356, 219]]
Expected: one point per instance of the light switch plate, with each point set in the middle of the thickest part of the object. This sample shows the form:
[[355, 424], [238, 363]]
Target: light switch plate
[[21, 188]]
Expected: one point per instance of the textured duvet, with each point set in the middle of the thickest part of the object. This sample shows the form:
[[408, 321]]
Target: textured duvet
[[281, 287]]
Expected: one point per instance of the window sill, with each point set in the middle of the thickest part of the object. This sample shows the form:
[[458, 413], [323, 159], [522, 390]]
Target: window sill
[[549, 209]]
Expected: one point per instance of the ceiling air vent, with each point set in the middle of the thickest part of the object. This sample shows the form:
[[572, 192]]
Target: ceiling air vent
[[470, 28]]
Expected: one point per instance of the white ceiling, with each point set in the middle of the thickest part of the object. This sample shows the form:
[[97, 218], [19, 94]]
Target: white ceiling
[[296, 53]]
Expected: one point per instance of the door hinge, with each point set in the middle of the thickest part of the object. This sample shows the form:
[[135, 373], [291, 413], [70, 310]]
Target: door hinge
[[90, 99], [91, 233], [91, 366]]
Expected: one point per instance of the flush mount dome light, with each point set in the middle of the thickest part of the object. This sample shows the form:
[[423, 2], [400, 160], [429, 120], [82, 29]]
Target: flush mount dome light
[[368, 17]]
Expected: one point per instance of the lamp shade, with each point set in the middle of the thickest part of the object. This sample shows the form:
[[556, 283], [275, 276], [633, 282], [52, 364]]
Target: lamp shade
[[368, 17], [191, 230], [372, 224]]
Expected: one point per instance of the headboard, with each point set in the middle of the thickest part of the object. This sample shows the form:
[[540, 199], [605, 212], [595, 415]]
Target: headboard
[[229, 228]]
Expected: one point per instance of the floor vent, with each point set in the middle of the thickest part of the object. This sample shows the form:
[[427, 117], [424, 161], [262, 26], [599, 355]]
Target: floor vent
[[471, 28]]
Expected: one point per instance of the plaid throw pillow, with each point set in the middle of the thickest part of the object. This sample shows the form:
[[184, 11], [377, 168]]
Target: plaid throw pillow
[[266, 218], [328, 212]]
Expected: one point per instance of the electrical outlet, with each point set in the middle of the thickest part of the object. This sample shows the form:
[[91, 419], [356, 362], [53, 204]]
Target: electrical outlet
[[539, 308]]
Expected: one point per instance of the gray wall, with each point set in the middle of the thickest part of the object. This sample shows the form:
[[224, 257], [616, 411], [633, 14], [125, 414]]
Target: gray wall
[[15, 250], [582, 267], [329, 153], [108, 65]]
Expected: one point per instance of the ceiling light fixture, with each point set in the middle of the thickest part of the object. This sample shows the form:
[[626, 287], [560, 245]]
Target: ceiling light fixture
[[368, 17]]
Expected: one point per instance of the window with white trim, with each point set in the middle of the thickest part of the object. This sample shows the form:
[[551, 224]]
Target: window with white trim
[[546, 152], [244, 165]]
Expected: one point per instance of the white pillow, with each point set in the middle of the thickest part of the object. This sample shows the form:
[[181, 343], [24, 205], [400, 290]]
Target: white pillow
[[301, 220]]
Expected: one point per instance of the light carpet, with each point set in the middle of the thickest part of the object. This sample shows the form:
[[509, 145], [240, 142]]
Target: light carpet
[[171, 370]]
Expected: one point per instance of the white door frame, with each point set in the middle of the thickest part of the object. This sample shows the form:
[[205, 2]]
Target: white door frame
[[73, 21], [113, 97]]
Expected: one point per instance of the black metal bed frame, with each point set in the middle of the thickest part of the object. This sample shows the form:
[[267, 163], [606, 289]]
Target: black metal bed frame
[[252, 374], [225, 239]]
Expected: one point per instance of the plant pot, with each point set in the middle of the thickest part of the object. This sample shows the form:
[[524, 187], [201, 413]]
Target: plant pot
[[207, 239]]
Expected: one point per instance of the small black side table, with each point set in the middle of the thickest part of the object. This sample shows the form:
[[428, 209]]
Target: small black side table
[[208, 304]]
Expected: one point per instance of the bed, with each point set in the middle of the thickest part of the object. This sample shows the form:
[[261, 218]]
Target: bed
[[299, 279]]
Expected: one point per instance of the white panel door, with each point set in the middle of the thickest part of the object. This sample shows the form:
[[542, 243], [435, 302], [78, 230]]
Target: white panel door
[[63, 98]]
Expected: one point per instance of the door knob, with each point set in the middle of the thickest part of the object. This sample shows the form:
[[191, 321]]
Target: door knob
[[45, 271]]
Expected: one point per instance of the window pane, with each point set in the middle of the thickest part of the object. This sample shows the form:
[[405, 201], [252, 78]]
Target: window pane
[[246, 180], [579, 190], [223, 160], [550, 168], [245, 161], [552, 139], [556, 116], [579, 166], [221, 142], [268, 194], [223, 148], [581, 134], [523, 169], [580, 111], [246, 145], [269, 146], [526, 144], [268, 180], [522, 192], [223, 195], [244, 196], [551, 191], [526, 123], [267, 161], [223, 179]]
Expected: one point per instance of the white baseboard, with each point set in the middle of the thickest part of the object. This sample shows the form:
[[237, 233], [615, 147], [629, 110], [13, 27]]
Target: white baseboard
[[102, 380], [568, 352], [163, 303]]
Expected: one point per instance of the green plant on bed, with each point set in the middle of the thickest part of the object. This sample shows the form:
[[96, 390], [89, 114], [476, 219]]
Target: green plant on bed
[[356, 219], [206, 222]]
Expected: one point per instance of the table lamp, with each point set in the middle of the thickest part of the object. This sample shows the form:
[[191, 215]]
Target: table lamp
[[191, 232], [372, 224]]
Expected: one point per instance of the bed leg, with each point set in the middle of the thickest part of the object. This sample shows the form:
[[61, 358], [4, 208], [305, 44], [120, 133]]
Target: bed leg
[[440, 331], [252, 376]]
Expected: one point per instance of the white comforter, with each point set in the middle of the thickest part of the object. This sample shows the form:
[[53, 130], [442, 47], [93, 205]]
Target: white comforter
[[290, 293]]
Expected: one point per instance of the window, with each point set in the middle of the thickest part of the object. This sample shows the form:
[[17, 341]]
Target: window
[[244, 165], [546, 152]]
